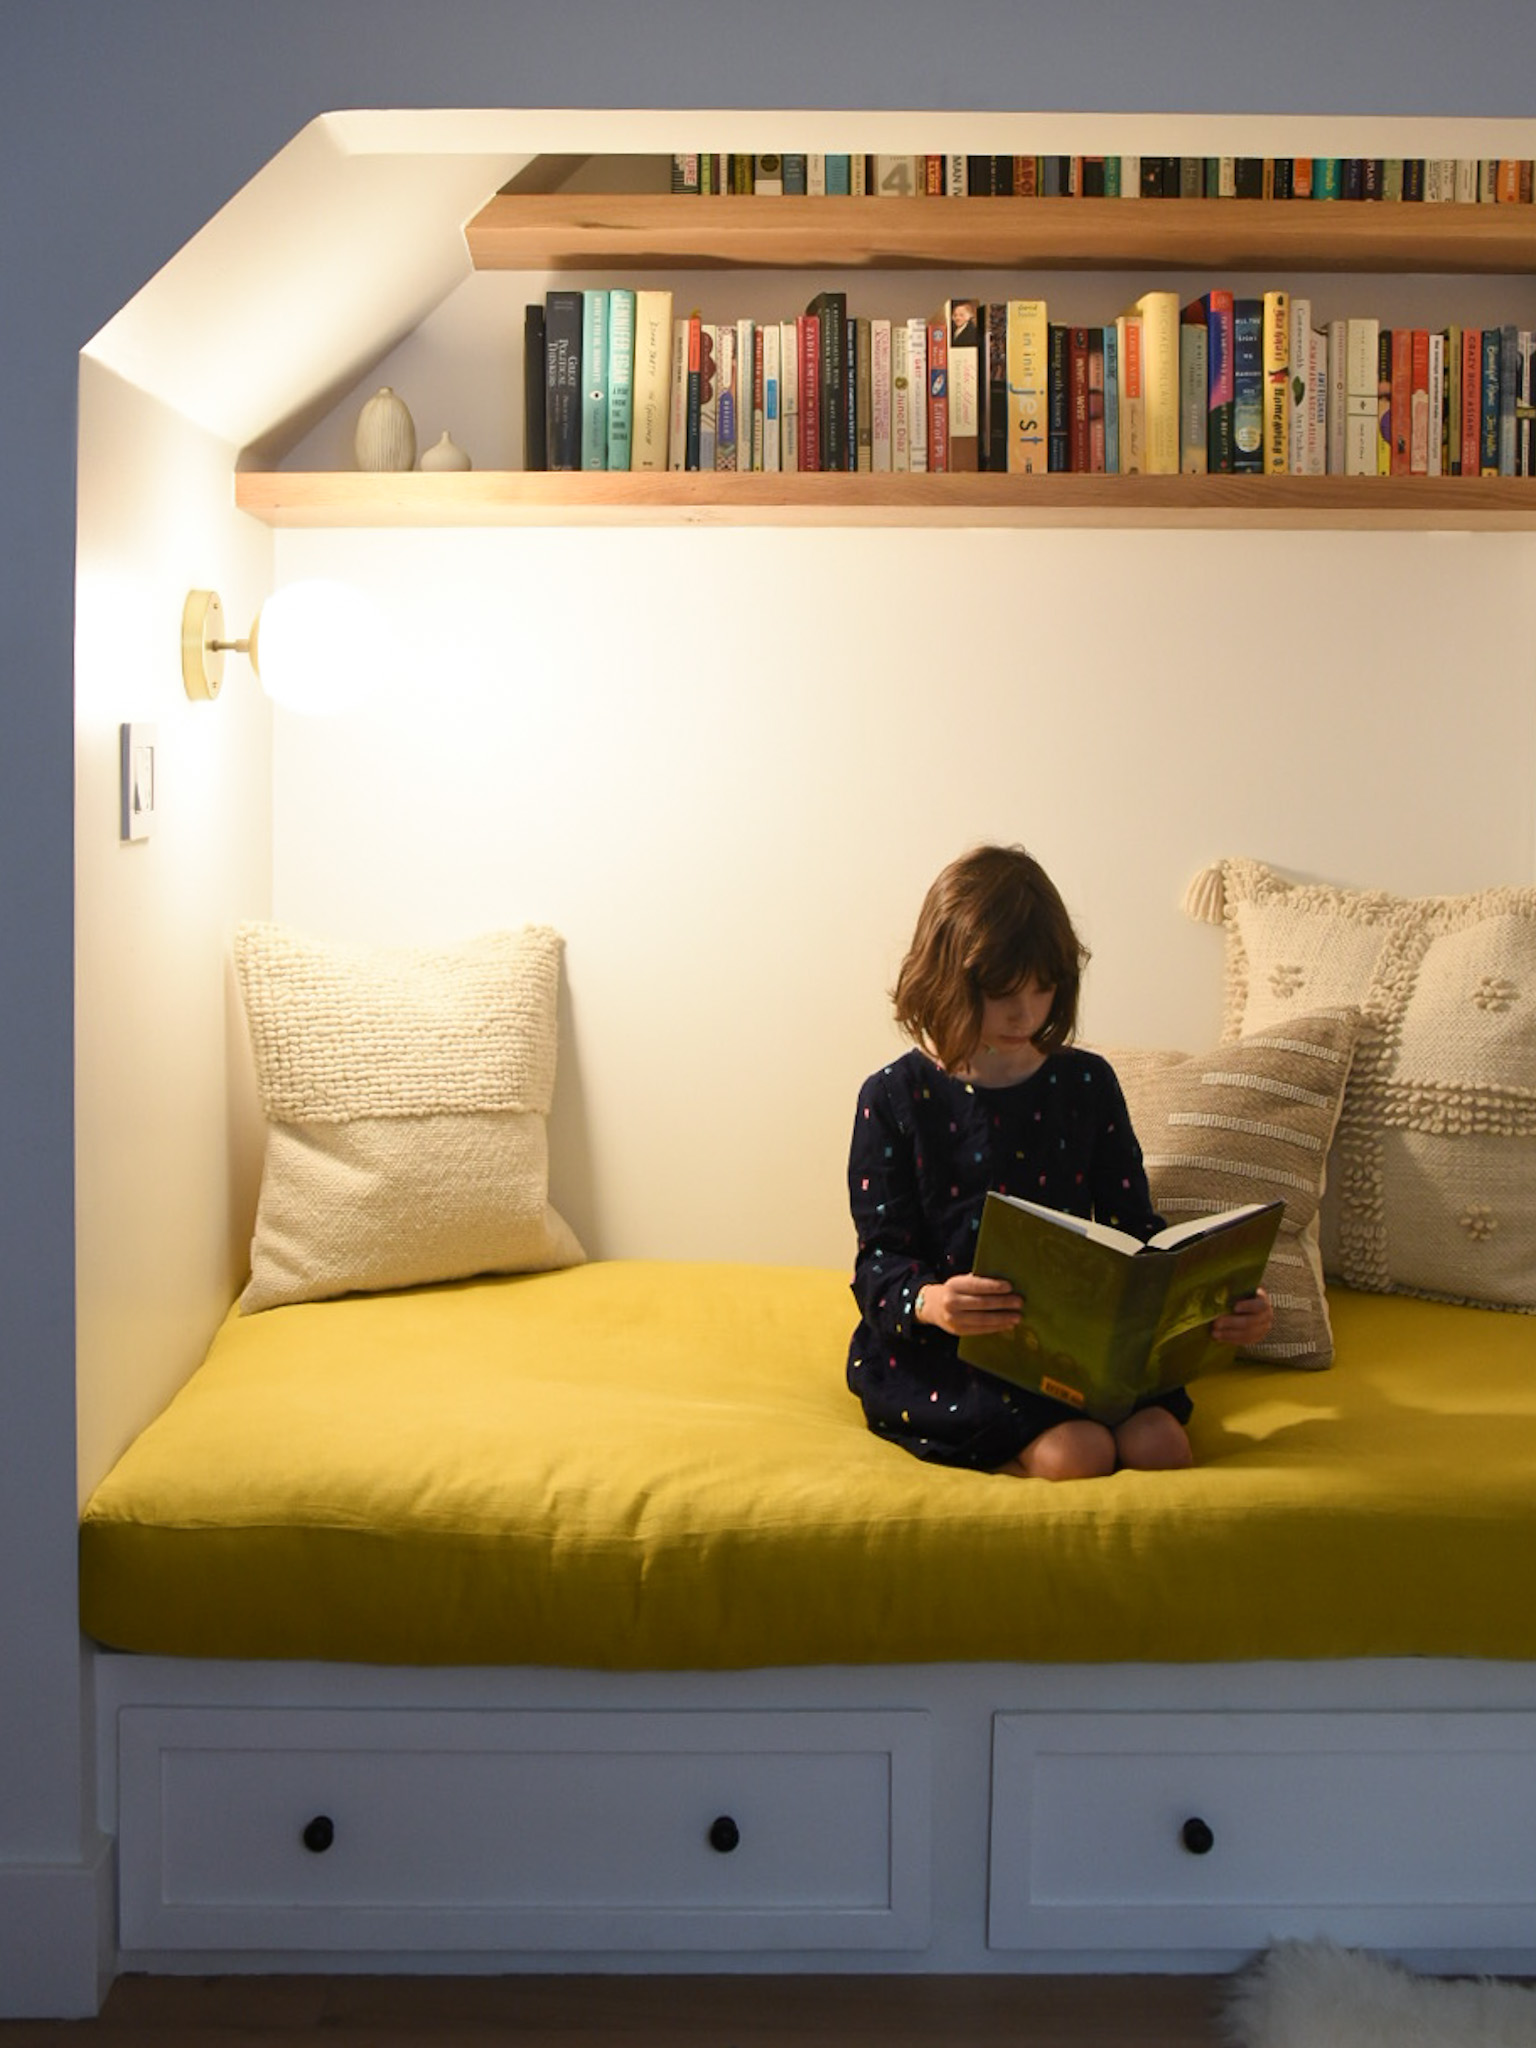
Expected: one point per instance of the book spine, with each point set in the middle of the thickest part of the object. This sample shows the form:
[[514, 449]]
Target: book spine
[[1298, 393], [963, 381], [677, 432], [938, 393], [1277, 365], [1078, 459], [594, 386], [535, 453], [749, 397], [993, 321], [1059, 431], [1402, 400], [808, 337], [621, 376], [1221, 391], [901, 416], [1418, 402], [770, 342], [789, 395], [1248, 386], [1337, 414], [650, 416], [562, 379], [1384, 402], [1471, 401], [1160, 377], [1194, 397], [917, 392], [1317, 388], [1436, 466], [709, 394], [880, 394], [1111, 347], [1132, 408], [1509, 390], [862, 382], [1028, 372], [727, 407], [1360, 429]]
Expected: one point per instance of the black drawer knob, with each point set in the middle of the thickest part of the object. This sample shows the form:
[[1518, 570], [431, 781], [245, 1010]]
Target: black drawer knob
[[724, 1834], [319, 1834], [1197, 1836]]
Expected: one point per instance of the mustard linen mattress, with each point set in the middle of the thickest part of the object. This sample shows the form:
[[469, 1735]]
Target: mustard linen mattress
[[648, 1465]]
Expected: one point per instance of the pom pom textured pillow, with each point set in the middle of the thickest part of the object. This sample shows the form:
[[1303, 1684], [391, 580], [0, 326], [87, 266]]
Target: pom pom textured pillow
[[406, 1091], [1251, 1122], [1432, 1185]]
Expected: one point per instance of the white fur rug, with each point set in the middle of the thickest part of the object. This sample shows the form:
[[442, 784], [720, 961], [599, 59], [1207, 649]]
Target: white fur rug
[[1311, 1994]]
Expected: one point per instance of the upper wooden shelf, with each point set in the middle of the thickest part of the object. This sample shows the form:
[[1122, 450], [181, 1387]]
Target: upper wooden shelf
[[572, 231], [552, 498]]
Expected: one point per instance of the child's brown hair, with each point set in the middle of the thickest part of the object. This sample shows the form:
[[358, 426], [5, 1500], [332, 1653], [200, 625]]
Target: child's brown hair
[[993, 919]]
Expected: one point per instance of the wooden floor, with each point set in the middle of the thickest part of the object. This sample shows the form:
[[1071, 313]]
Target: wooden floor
[[643, 2012]]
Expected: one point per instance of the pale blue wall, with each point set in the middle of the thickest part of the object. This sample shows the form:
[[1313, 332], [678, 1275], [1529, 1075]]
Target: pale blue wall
[[123, 125]]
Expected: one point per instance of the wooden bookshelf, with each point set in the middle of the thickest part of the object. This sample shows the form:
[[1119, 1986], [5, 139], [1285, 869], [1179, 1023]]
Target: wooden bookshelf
[[689, 498], [575, 232], [626, 235]]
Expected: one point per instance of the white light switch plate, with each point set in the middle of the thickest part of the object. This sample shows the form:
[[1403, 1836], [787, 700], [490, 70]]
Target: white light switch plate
[[140, 766]]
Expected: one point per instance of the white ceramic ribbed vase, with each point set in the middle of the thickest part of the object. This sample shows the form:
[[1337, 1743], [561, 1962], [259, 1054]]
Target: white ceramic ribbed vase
[[446, 453], [386, 433]]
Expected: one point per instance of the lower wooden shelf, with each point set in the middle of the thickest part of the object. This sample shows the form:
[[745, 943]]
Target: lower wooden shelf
[[344, 498]]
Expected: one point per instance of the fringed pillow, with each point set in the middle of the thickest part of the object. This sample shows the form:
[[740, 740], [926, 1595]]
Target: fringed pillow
[[406, 1091], [1432, 1181]]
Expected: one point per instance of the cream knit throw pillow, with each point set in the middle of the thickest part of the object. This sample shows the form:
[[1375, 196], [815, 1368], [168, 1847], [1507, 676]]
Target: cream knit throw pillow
[[1251, 1122], [406, 1091], [1432, 1183]]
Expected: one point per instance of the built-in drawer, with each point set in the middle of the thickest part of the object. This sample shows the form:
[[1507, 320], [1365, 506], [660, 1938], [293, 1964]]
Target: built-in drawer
[[1136, 1831], [295, 1829]]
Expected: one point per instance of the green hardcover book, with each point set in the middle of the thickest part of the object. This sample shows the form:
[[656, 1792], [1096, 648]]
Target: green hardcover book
[[1107, 1320]]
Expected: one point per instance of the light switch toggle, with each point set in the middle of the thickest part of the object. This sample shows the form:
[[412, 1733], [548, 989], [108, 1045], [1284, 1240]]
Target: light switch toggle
[[139, 749]]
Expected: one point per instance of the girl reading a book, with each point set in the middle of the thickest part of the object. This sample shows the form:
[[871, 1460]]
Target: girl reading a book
[[993, 1094]]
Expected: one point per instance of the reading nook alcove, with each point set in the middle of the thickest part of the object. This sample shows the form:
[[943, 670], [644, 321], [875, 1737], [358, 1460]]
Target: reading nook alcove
[[713, 737]]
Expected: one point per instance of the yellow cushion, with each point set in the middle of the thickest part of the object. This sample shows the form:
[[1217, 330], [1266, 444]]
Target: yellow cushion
[[654, 1465]]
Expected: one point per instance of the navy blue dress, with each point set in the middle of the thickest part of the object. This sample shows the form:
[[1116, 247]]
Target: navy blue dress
[[926, 1148]]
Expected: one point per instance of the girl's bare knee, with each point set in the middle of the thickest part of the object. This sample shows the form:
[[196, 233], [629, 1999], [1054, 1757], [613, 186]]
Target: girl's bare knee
[[1069, 1450], [1152, 1440]]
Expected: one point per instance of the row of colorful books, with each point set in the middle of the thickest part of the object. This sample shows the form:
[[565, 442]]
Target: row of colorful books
[[1463, 180], [614, 380]]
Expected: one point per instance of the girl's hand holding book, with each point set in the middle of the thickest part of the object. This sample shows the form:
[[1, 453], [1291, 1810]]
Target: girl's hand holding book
[[970, 1305], [1246, 1322]]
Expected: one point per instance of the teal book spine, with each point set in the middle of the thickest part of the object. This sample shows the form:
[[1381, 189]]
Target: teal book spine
[[594, 380], [621, 376]]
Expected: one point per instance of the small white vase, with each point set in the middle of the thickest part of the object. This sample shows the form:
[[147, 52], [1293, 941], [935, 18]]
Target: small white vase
[[446, 454], [386, 433]]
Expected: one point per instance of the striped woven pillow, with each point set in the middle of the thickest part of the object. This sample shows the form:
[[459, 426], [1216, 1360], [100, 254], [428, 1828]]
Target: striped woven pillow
[[1252, 1122]]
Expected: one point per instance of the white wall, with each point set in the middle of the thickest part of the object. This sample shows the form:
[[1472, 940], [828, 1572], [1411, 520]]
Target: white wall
[[726, 764], [167, 1130]]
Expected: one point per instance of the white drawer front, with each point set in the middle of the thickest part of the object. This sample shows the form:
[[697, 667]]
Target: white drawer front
[[1187, 1831], [293, 1829]]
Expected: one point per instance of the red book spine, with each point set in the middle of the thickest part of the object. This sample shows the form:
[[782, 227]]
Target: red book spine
[[1471, 401], [1402, 398], [808, 336]]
